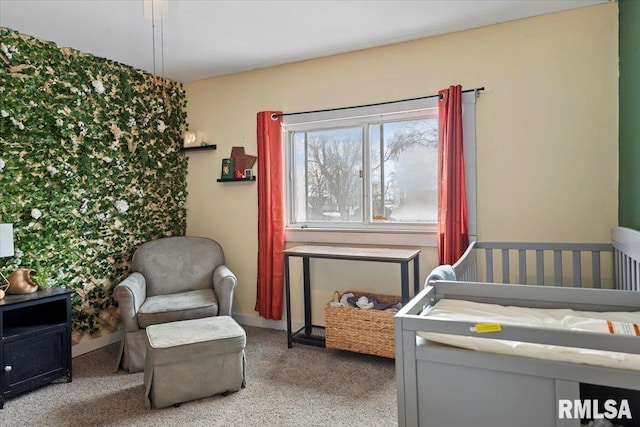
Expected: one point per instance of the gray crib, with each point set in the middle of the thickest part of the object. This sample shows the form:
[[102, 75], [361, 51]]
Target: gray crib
[[599, 265], [441, 385]]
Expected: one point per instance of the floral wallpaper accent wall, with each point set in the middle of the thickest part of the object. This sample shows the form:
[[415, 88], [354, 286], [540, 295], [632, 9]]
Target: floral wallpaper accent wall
[[90, 168]]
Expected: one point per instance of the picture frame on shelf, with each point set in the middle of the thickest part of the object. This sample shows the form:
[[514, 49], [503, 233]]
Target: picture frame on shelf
[[244, 162], [193, 139]]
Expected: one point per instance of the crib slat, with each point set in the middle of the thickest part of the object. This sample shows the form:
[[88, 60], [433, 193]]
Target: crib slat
[[595, 269], [625, 277], [629, 261], [489, 264], [631, 270], [540, 266], [614, 269], [629, 266], [557, 267], [577, 269], [629, 279], [625, 272], [505, 266], [522, 265], [617, 273], [620, 267]]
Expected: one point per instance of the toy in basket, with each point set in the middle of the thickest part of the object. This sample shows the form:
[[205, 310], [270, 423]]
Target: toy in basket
[[362, 330]]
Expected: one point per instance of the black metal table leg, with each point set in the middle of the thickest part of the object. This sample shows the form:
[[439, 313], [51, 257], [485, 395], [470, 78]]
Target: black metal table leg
[[404, 280], [287, 286], [416, 275], [307, 296]]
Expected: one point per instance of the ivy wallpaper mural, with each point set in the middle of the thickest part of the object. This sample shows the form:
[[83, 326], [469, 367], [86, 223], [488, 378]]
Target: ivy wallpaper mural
[[90, 167]]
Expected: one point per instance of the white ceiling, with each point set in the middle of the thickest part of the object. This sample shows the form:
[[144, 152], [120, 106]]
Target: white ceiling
[[206, 38]]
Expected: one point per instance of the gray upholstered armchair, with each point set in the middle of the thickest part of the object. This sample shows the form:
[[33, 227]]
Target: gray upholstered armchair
[[173, 278]]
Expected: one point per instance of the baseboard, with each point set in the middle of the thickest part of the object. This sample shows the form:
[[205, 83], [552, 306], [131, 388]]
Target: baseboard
[[261, 322], [96, 343]]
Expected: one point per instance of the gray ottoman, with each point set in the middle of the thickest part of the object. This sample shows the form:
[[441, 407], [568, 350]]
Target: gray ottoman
[[192, 359]]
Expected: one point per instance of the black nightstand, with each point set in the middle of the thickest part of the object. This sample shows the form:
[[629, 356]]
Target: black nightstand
[[36, 340]]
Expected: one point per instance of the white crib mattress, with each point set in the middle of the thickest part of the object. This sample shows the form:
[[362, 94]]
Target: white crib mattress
[[624, 323]]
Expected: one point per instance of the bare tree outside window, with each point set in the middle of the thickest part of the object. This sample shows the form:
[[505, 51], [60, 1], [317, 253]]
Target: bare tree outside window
[[394, 161], [332, 161], [404, 171]]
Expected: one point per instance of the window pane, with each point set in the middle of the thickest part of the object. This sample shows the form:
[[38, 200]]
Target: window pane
[[404, 169], [327, 175]]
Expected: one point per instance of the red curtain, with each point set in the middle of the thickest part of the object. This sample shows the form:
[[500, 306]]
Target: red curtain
[[453, 234], [270, 281]]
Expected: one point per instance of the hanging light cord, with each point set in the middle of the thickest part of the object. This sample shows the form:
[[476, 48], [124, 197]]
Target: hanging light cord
[[153, 35], [162, 43]]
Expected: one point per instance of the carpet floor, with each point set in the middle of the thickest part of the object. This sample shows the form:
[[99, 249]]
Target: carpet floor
[[302, 386]]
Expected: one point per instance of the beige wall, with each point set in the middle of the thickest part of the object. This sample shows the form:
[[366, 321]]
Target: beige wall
[[546, 136]]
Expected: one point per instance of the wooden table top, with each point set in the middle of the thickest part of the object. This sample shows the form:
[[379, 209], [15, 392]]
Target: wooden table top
[[344, 252]]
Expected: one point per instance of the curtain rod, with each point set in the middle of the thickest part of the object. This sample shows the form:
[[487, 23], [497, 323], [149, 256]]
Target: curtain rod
[[274, 116]]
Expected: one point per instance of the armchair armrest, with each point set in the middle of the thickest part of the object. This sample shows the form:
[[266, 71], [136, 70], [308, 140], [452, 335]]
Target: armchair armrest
[[224, 283], [130, 294]]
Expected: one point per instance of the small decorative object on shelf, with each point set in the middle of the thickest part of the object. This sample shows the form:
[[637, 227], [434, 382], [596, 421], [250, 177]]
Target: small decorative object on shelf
[[237, 168], [193, 139], [228, 169], [243, 162]]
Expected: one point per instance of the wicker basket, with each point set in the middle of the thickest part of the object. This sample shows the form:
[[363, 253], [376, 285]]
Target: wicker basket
[[360, 330]]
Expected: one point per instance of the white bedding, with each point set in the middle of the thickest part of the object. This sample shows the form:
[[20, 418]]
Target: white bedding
[[598, 322]]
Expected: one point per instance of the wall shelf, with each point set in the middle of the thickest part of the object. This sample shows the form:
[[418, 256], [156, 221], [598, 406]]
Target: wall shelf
[[201, 148], [253, 178]]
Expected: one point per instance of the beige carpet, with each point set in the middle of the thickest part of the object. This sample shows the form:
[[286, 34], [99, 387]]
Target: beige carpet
[[302, 386]]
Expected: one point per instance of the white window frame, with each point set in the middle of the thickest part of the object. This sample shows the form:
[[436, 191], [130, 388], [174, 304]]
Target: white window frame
[[388, 234]]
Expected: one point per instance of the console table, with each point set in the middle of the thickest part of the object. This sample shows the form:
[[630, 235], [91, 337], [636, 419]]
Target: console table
[[314, 335], [35, 346]]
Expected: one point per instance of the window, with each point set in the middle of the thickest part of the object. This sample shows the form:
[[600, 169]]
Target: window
[[373, 169]]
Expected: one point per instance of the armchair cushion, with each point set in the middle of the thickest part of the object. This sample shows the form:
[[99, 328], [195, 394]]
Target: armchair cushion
[[177, 264], [174, 307]]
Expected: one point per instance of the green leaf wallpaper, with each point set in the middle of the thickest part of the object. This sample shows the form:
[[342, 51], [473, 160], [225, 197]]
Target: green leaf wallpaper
[[90, 168]]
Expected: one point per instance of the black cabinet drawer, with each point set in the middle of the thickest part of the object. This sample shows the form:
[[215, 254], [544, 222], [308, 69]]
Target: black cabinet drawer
[[37, 358]]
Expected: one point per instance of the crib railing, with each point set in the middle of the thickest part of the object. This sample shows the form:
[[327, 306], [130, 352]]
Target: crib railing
[[466, 268], [557, 264], [626, 258]]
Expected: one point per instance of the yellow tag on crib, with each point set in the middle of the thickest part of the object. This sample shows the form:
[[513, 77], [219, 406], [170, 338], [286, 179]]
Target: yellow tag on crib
[[482, 328]]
